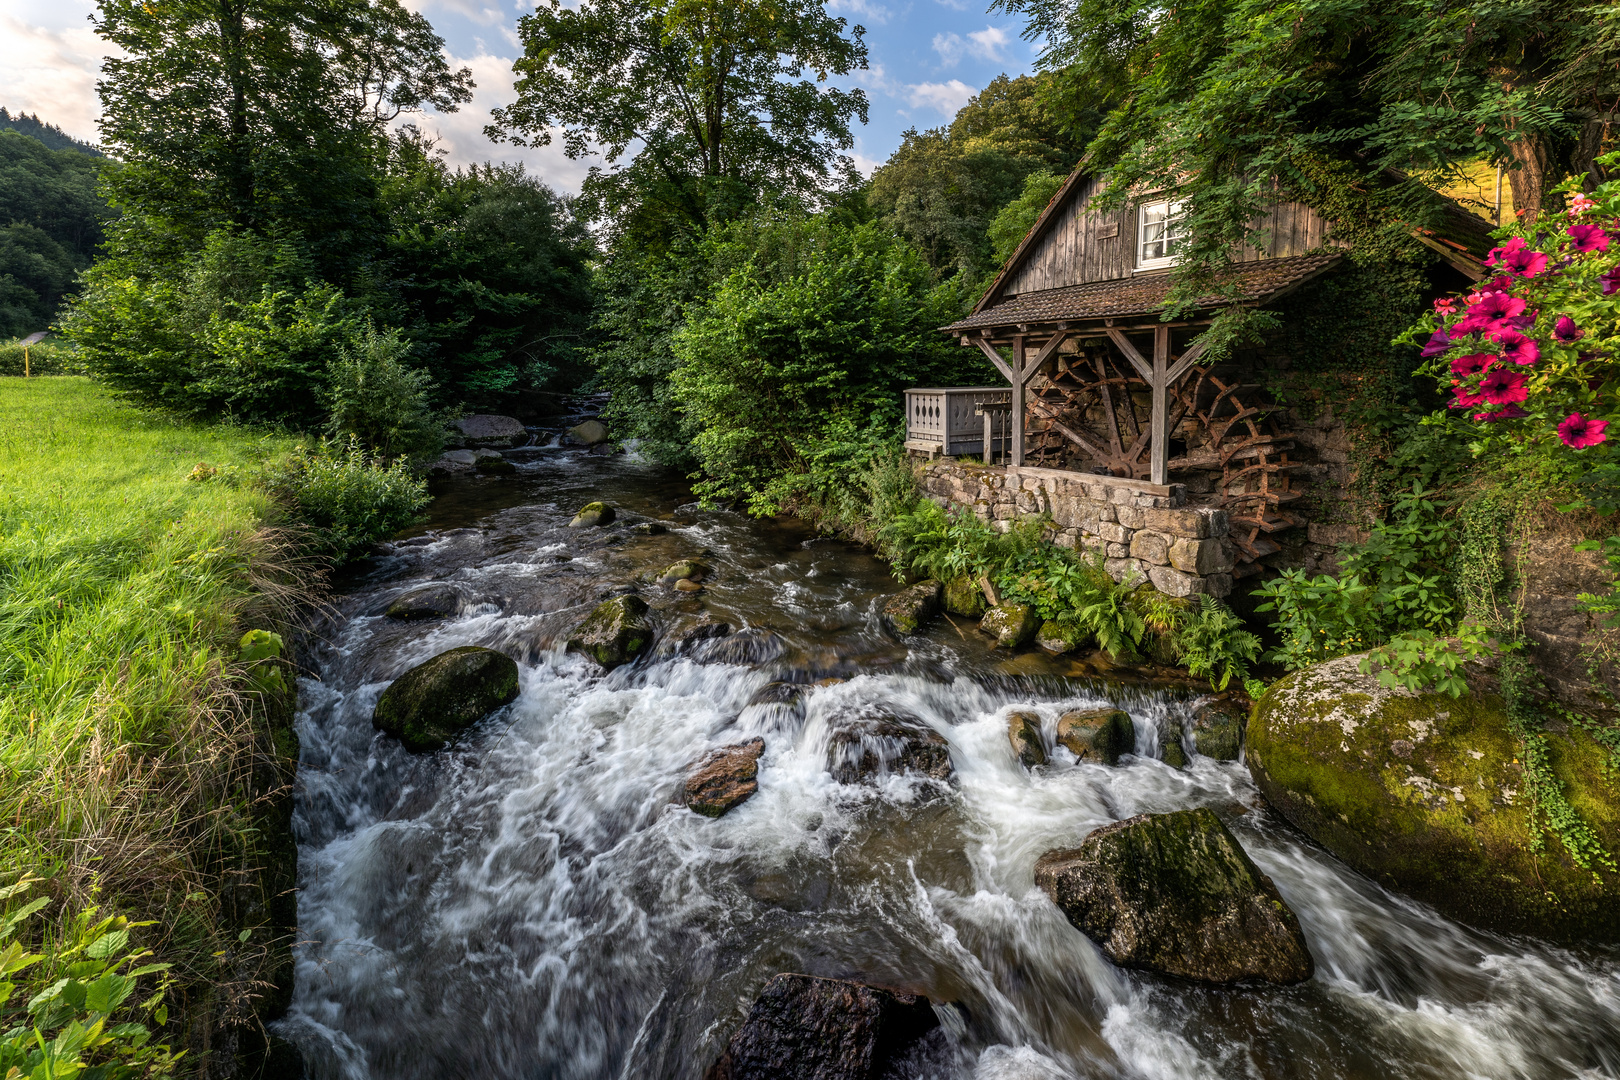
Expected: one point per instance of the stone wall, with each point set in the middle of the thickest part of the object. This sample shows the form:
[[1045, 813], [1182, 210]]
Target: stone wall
[[1145, 531]]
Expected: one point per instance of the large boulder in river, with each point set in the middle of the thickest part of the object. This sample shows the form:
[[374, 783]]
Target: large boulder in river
[[869, 742], [1217, 729], [590, 433], [805, 1028], [1097, 735], [429, 602], [1024, 732], [1010, 624], [726, 778], [1429, 795], [488, 429], [593, 514], [615, 632], [431, 703], [1177, 894], [909, 611], [964, 597]]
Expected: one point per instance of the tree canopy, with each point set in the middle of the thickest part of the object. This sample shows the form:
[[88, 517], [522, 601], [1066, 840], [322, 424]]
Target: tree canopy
[[51, 222]]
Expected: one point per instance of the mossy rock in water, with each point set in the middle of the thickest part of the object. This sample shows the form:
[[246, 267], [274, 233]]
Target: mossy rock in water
[[432, 602], [1176, 893], [1098, 735], [909, 611], [1024, 732], [1058, 638], [1427, 795], [1218, 729], [495, 467], [614, 633], [592, 514], [685, 570], [1172, 751], [433, 702], [964, 597], [1010, 624]]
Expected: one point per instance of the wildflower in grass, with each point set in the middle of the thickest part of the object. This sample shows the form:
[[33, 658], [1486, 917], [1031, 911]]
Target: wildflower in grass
[[1506, 412], [1566, 331], [1588, 238], [1472, 364], [1580, 432], [1502, 387], [1517, 347]]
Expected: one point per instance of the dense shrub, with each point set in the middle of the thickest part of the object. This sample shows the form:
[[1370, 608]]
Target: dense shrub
[[372, 396], [44, 358], [350, 500]]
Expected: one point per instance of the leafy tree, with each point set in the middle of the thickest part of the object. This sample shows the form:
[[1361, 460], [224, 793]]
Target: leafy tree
[[707, 98], [52, 136], [51, 221], [1014, 220]]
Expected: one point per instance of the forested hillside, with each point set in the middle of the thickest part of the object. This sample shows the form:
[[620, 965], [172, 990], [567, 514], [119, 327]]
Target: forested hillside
[[51, 223]]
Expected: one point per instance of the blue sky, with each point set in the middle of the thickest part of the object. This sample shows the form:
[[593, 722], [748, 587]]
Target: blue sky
[[927, 57]]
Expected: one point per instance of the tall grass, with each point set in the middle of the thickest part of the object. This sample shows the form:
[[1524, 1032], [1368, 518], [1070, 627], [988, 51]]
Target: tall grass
[[136, 763]]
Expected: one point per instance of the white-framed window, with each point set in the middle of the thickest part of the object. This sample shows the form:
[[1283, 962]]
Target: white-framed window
[[1160, 232]]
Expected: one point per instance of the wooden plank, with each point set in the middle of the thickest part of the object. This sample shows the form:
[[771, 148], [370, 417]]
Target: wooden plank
[[1124, 345], [1044, 355], [1017, 426], [1050, 416], [995, 358], [1187, 360], [1158, 452]]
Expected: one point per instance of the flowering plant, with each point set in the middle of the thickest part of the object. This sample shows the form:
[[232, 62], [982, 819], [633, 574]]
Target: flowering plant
[[1528, 355]]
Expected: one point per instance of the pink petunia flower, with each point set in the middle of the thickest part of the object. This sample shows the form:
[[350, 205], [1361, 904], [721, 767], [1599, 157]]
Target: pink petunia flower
[[1439, 344], [1588, 238], [1486, 311], [1472, 364], [1580, 432], [1506, 412], [1466, 398], [1516, 347], [1518, 259], [1566, 331], [1611, 281], [1502, 387]]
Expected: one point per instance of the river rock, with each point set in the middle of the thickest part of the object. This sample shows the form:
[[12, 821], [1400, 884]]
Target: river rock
[[488, 429], [459, 457], [694, 631], [497, 466], [1059, 637], [1218, 729], [649, 528], [593, 514], [725, 779], [1177, 894], [962, 596], [1024, 732], [431, 703], [1172, 749], [432, 602], [1427, 795], [1010, 624], [868, 743], [685, 570], [589, 433], [805, 1028], [909, 611], [614, 633], [687, 585], [1099, 735]]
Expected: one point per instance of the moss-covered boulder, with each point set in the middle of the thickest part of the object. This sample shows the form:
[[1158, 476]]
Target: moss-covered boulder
[[1172, 750], [684, 570], [1010, 624], [495, 467], [1058, 638], [431, 602], [868, 742], [726, 778], [964, 597], [1097, 735], [1177, 894], [615, 632], [433, 702], [1427, 794], [1024, 732], [1217, 729], [909, 611], [593, 514]]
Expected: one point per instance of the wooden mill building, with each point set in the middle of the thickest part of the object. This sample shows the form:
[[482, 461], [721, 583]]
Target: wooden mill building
[[1098, 384]]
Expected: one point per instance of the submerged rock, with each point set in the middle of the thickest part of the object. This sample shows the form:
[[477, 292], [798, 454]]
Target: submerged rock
[[867, 744], [1427, 794], [649, 528], [753, 645], [692, 631], [593, 514], [614, 633], [1024, 731], [489, 429], [459, 457], [432, 602], [1177, 894], [962, 596], [687, 585], [497, 466], [1100, 735], [909, 611], [590, 433], [805, 1028], [433, 702], [1010, 624], [1218, 729], [1172, 751], [725, 779], [1059, 637]]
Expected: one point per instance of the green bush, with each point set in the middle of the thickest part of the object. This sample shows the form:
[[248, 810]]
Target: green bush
[[350, 500], [45, 358], [1213, 644], [373, 397]]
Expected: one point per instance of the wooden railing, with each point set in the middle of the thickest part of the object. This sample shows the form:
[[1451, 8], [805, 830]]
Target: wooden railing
[[957, 421]]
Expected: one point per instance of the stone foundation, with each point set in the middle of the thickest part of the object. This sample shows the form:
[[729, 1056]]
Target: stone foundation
[[1145, 532]]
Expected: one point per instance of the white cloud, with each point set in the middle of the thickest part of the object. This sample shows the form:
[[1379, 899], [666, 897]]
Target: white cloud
[[52, 73], [472, 10], [954, 5], [950, 47], [947, 98], [865, 10], [991, 44]]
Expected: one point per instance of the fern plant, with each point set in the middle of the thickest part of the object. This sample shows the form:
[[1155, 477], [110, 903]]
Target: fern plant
[[1213, 644]]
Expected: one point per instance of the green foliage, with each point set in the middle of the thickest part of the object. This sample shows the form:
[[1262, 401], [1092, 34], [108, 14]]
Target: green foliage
[[67, 1012], [1213, 643], [43, 358], [51, 221], [1424, 661], [372, 397], [348, 499], [52, 136], [1013, 221], [1318, 617]]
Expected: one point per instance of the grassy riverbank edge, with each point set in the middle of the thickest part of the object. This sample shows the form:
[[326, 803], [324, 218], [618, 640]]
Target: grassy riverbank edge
[[145, 767]]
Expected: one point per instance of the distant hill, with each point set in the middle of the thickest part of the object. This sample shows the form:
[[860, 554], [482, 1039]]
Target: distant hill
[[49, 134]]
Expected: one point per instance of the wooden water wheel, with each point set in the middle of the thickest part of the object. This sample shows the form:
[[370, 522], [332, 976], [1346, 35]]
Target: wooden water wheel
[[1095, 401]]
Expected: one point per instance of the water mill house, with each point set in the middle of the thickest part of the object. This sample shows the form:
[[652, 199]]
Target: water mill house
[[1184, 473]]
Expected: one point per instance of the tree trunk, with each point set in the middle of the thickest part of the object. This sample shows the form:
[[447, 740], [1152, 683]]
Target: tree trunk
[[1537, 170]]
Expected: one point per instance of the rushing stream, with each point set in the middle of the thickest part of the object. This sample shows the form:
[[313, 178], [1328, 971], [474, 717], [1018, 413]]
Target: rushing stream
[[534, 903]]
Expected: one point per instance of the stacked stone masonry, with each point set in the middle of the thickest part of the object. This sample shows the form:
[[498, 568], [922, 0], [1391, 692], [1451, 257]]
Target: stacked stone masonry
[[1146, 532]]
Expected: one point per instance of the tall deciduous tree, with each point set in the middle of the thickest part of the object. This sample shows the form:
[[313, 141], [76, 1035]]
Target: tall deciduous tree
[[698, 105]]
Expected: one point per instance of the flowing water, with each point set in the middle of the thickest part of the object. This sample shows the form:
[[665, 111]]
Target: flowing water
[[534, 903]]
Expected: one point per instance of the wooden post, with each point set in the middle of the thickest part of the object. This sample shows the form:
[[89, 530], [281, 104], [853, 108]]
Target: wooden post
[[1015, 425], [989, 451], [1159, 436]]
